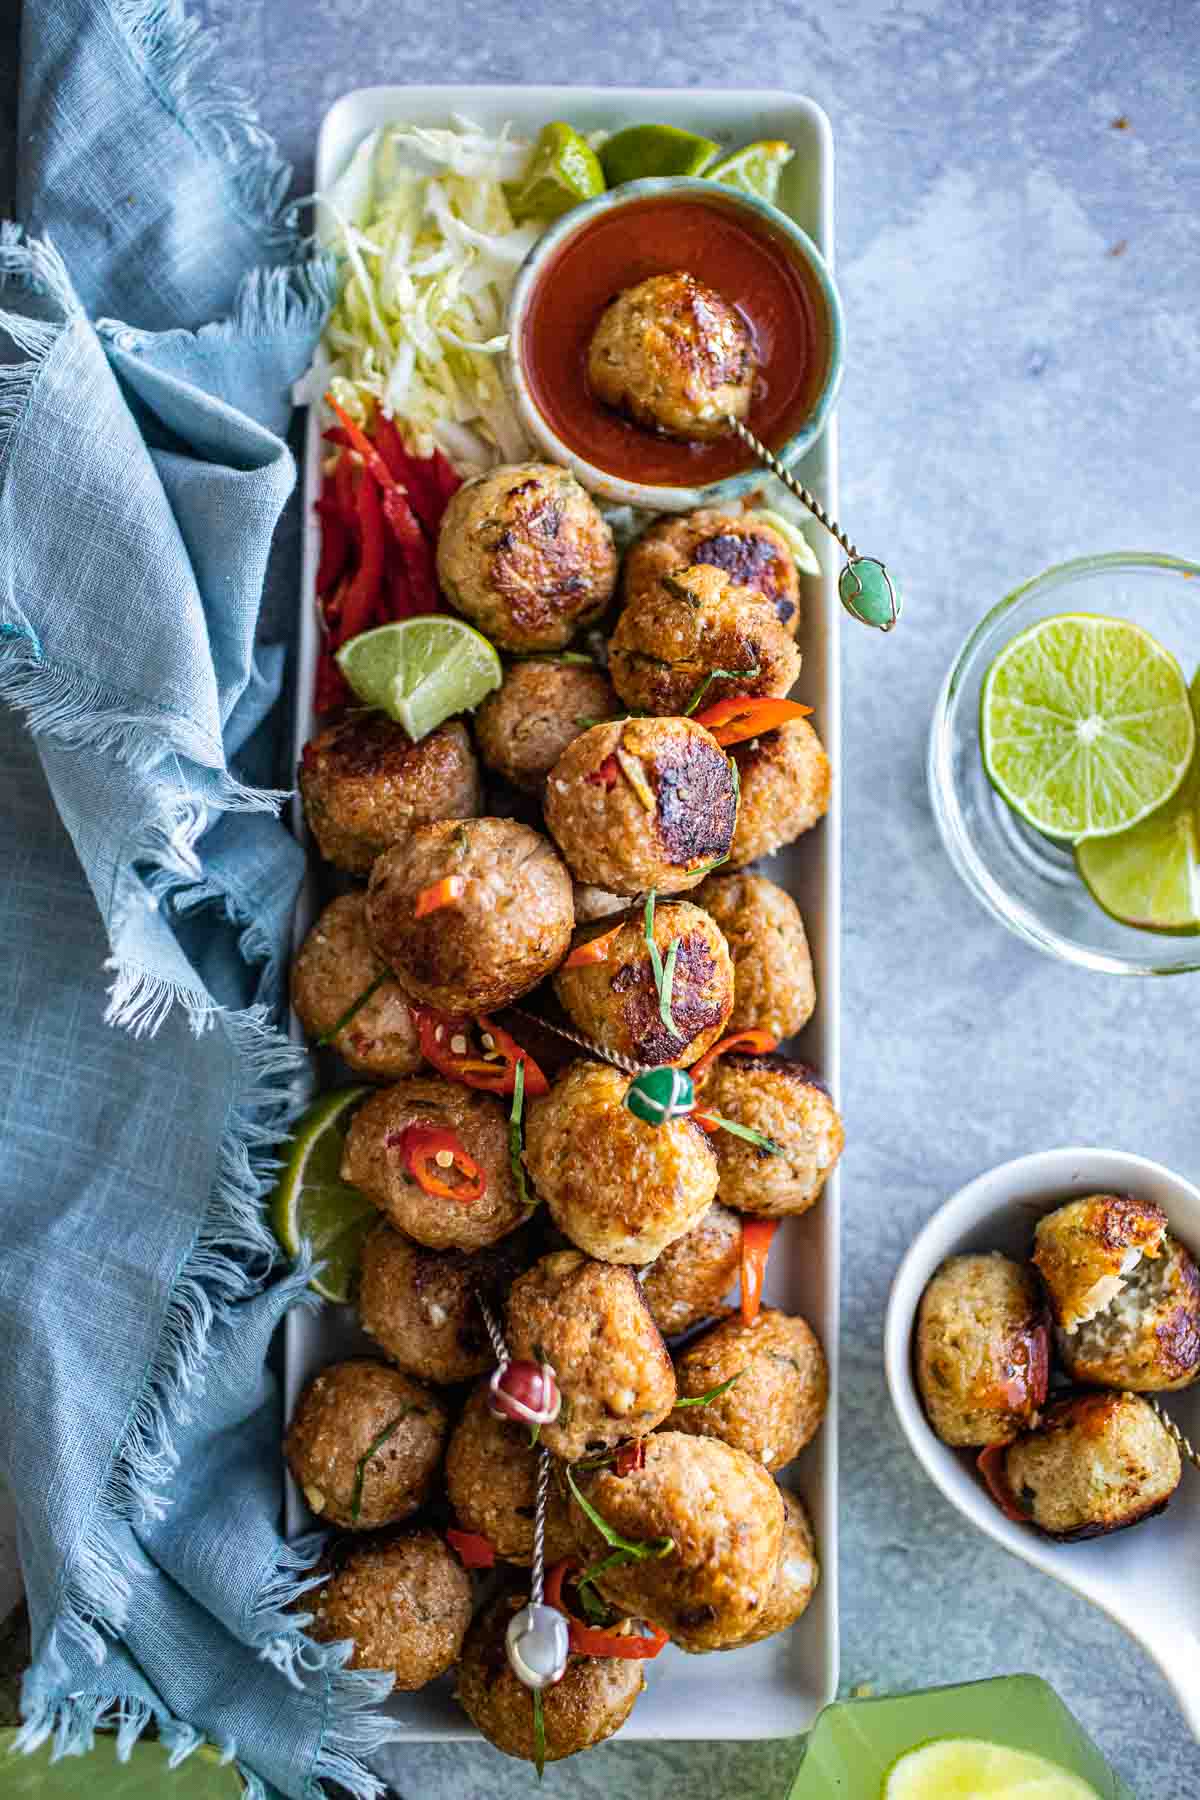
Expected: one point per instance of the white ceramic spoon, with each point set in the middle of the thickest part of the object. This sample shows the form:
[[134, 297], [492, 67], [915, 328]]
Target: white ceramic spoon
[[1146, 1578]]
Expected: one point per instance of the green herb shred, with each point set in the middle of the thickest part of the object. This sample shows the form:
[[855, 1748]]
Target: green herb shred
[[516, 1137], [636, 1551], [354, 1007], [539, 1733], [750, 674], [745, 1131], [372, 1449], [713, 1393]]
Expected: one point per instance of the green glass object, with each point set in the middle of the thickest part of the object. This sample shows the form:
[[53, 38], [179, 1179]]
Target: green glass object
[[867, 591], [145, 1775], [657, 1095], [854, 1743]]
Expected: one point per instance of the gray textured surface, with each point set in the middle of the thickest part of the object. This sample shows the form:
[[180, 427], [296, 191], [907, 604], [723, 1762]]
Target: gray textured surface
[[1015, 393]]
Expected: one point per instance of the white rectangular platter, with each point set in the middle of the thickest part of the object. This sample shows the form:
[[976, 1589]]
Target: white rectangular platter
[[776, 1688]]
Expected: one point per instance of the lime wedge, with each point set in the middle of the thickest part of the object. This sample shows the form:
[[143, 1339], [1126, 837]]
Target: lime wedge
[[971, 1769], [1150, 876], [642, 150], [421, 670], [313, 1202], [756, 169], [1086, 725], [563, 170]]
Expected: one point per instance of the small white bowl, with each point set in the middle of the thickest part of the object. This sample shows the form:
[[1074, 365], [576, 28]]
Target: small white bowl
[[1146, 1578]]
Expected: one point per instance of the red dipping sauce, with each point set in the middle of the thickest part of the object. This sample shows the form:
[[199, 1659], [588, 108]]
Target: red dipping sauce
[[746, 264]]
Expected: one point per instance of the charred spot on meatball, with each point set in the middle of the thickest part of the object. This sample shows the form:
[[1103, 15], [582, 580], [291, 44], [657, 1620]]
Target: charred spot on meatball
[[743, 544], [366, 785], [697, 806]]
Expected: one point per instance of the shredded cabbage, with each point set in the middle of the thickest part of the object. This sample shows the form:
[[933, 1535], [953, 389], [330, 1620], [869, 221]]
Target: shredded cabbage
[[428, 252]]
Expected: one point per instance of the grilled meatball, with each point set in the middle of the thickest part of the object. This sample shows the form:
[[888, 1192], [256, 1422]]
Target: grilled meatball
[[616, 1002], [588, 1320], [780, 1386], [725, 1515], [673, 356], [523, 728], [364, 1443], [641, 804], [671, 638], [590, 1703], [367, 786], [620, 1189], [525, 554], [421, 1306], [491, 1482], [787, 1103], [750, 551], [1148, 1337], [796, 1575], [507, 928], [785, 784], [1086, 1249], [403, 1602], [374, 1161], [1098, 1463], [773, 988], [983, 1349], [596, 903], [693, 1275], [335, 966]]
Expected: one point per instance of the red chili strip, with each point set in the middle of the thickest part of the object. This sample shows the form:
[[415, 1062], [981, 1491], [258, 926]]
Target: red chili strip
[[474, 1550], [605, 774], [990, 1463], [759, 1043], [756, 1248], [732, 721], [442, 893], [592, 1640]]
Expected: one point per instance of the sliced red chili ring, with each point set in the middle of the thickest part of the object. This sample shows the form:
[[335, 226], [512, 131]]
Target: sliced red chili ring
[[593, 1640], [436, 1033], [421, 1146]]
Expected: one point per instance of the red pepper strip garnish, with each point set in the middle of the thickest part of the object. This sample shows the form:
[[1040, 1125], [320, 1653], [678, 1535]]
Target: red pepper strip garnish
[[413, 472], [335, 540], [990, 1463], [420, 1145], [474, 1550], [733, 720], [605, 774], [535, 1082], [590, 1640], [448, 482], [757, 1042], [437, 1031], [419, 567], [756, 1247], [362, 443], [442, 893], [630, 1457], [362, 595], [595, 950], [344, 485]]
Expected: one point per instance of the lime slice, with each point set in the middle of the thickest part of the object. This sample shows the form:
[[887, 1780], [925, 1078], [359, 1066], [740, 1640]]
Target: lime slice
[[1150, 876], [313, 1202], [563, 170], [421, 670], [754, 170], [1086, 725], [971, 1769], [642, 150]]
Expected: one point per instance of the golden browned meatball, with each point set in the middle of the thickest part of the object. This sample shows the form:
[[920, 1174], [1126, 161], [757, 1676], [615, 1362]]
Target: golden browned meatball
[[404, 1603], [590, 1703], [1086, 1249], [364, 1444], [725, 1516], [616, 1002], [525, 554], [1148, 1337], [780, 1386], [422, 1308], [672, 637], [491, 1482], [507, 925], [1098, 1463], [523, 728], [773, 987], [745, 545], [785, 783], [620, 1189], [787, 1103], [641, 804], [378, 1159], [796, 1575], [367, 786], [673, 356], [690, 1279], [335, 967], [596, 903], [589, 1321], [982, 1350]]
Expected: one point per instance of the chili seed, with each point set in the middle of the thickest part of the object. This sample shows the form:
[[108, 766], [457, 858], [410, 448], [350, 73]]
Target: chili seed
[[444, 1159], [458, 1044]]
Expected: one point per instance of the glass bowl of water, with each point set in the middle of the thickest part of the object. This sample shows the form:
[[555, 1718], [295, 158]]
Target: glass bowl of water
[[1027, 880]]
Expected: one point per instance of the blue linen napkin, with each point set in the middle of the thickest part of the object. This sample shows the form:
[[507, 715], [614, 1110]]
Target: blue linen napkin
[[153, 314]]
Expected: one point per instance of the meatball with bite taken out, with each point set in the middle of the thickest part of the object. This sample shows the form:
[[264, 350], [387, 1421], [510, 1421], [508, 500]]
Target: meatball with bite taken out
[[785, 1103], [1147, 1338], [1086, 1250], [674, 357], [982, 1349], [525, 555], [364, 1444], [337, 980], [779, 1386], [785, 790], [471, 914], [642, 803], [404, 1602], [744, 544], [688, 1281], [1097, 1463], [491, 1484], [796, 1575], [773, 987], [540, 707], [367, 786], [696, 637]]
